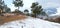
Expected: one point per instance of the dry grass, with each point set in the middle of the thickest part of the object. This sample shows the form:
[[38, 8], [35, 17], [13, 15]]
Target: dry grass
[[5, 19], [57, 20]]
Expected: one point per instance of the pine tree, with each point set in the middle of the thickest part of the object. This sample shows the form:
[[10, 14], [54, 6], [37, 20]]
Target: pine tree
[[18, 3], [26, 12], [8, 10], [1, 6], [36, 9]]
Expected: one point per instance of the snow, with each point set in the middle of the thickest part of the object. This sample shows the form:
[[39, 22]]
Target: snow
[[30, 23]]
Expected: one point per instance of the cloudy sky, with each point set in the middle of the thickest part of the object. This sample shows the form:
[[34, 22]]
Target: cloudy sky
[[44, 3], [27, 4], [49, 3]]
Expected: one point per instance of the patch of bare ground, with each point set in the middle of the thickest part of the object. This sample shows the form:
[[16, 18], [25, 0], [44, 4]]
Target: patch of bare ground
[[57, 20], [5, 19]]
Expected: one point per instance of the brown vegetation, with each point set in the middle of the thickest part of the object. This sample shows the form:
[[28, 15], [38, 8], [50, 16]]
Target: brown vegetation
[[57, 20], [8, 18]]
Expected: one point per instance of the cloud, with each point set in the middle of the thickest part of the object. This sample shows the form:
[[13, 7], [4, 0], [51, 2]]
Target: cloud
[[58, 10], [27, 4], [12, 7], [49, 3]]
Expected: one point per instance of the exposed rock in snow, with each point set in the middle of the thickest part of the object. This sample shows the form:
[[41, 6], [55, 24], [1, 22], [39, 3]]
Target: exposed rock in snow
[[30, 23]]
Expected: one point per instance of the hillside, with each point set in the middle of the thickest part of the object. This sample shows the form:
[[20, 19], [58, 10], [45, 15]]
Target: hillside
[[30, 22], [9, 17]]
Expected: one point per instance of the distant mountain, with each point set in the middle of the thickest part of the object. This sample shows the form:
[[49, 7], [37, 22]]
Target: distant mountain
[[50, 10]]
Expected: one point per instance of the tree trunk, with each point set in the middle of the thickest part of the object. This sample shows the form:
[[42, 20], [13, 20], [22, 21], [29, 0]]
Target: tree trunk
[[18, 7], [35, 15]]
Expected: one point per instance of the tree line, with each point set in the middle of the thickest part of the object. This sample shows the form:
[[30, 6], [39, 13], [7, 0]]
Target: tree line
[[36, 9]]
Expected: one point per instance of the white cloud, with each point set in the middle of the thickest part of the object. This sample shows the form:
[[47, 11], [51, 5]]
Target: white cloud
[[49, 3], [58, 10], [9, 4], [12, 7], [27, 4], [44, 3]]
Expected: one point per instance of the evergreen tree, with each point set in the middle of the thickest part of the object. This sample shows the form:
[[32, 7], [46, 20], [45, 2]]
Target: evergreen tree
[[36, 9], [8, 10], [0, 11], [1, 6], [4, 7], [26, 12], [18, 3], [17, 11]]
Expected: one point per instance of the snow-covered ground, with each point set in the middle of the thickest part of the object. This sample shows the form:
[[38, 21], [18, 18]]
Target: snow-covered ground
[[30, 23]]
